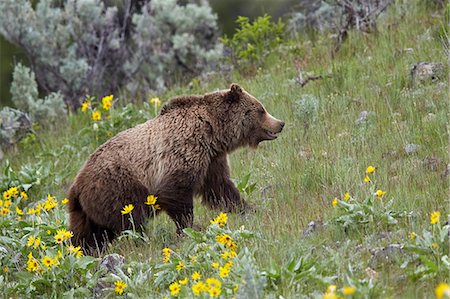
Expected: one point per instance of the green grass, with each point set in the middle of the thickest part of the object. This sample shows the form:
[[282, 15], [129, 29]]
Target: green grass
[[299, 174]]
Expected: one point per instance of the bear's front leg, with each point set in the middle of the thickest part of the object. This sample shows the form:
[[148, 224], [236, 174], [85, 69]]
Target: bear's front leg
[[218, 191], [176, 199]]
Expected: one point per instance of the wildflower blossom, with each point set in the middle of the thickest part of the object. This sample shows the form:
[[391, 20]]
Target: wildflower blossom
[[50, 203], [32, 264], [442, 290], [4, 211], [348, 290], [107, 102], [24, 195], [85, 106], [19, 211], [151, 200], [174, 288], [184, 281], [65, 201], [166, 255], [47, 261], [346, 196], [214, 292], [224, 272], [30, 241], [380, 193], [412, 236], [435, 216], [120, 286], [213, 283], [6, 195], [434, 245], [221, 220], [196, 276], [370, 169], [367, 179], [215, 265], [224, 239], [334, 202], [7, 203], [156, 101], [13, 191], [127, 209], [199, 287], [96, 116], [180, 266]]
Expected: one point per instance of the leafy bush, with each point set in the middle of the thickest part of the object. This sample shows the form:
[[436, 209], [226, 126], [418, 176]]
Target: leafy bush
[[88, 47], [252, 42], [24, 92]]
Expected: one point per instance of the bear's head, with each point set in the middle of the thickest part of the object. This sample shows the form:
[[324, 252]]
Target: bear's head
[[249, 121]]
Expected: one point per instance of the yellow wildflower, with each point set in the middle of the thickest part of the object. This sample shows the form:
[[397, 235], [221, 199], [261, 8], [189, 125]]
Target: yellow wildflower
[[50, 203], [151, 200], [412, 236], [7, 203], [221, 220], [19, 211], [346, 196], [334, 202], [31, 211], [47, 261], [156, 101], [37, 242], [199, 287], [24, 195], [6, 195], [65, 201], [166, 255], [370, 169], [184, 281], [85, 106], [213, 283], [228, 265], [30, 241], [215, 265], [32, 265], [224, 239], [96, 116], [174, 288], [442, 290], [75, 250], [367, 179], [380, 193], [435, 216], [127, 209], [157, 207], [59, 238], [120, 286], [4, 211], [107, 102], [348, 290], [13, 191], [223, 272], [434, 245], [214, 292], [196, 276], [330, 296], [180, 266]]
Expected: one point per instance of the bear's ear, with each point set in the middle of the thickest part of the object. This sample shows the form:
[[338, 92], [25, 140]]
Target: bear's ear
[[235, 93]]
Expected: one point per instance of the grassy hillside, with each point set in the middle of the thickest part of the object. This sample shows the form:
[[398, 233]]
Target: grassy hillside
[[322, 154]]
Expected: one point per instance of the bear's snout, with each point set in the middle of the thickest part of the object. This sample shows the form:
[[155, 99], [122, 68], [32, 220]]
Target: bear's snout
[[272, 127]]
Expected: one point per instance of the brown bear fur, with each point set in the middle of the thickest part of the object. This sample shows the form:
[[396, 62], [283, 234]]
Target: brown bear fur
[[175, 156]]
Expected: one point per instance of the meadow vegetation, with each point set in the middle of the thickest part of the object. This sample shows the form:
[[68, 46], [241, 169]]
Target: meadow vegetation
[[380, 211]]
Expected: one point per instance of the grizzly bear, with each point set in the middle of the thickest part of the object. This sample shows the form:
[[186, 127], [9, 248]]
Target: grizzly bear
[[177, 155]]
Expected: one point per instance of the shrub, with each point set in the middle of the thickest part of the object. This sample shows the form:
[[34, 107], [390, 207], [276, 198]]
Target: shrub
[[24, 92], [252, 42], [88, 47]]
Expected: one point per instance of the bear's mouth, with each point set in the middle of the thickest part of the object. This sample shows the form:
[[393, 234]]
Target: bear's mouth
[[271, 135]]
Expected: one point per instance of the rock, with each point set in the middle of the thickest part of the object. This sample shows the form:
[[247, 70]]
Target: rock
[[386, 254], [432, 163], [411, 148], [362, 117], [112, 262], [427, 72], [312, 227]]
